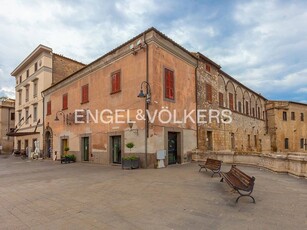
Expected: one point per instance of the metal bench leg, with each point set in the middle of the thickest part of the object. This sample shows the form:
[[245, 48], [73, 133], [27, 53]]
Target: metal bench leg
[[222, 179], [245, 195]]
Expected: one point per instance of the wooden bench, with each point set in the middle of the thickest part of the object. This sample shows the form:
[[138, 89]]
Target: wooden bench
[[213, 165], [239, 181]]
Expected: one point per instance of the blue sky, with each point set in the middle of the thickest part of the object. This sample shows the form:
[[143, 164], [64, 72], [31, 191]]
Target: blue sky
[[263, 44]]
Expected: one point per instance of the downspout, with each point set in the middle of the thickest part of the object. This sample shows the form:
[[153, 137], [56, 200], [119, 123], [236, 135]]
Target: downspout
[[196, 100], [8, 122], [43, 96], [146, 104]]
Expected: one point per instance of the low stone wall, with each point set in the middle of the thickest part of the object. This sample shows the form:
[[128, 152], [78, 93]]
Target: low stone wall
[[292, 163]]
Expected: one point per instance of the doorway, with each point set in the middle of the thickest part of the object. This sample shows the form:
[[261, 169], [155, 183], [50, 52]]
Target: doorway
[[19, 145], [232, 141], [26, 147], [48, 144], [209, 140], [64, 144], [116, 149], [85, 148], [172, 148]]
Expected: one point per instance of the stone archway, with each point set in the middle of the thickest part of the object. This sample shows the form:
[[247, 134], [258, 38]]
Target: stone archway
[[48, 141]]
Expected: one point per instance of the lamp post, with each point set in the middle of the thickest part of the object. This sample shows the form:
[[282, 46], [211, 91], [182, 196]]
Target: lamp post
[[146, 95], [61, 113]]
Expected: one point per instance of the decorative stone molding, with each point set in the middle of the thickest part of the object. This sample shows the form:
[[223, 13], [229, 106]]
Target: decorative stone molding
[[291, 163]]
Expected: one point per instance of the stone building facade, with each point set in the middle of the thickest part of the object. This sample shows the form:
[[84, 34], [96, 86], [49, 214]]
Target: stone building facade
[[35, 73], [287, 126], [7, 122], [151, 62], [216, 90]]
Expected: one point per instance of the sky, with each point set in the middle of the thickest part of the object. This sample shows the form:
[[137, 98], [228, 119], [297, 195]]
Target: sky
[[263, 44]]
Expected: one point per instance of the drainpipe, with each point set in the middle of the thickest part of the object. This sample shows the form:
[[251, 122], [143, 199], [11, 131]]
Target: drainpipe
[[8, 122], [146, 104], [43, 96], [196, 100]]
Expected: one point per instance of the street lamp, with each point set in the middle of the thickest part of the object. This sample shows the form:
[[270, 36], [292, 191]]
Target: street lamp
[[61, 113], [146, 95], [148, 92]]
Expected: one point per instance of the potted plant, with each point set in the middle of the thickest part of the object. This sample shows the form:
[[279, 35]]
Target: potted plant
[[130, 145], [130, 162]]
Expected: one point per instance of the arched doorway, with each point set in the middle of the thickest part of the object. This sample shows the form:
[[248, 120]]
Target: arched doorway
[[48, 143]]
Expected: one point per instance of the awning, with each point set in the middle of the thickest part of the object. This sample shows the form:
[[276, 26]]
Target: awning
[[18, 134]]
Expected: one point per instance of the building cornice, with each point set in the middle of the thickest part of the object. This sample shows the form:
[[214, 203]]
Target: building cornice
[[151, 36], [30, 58]]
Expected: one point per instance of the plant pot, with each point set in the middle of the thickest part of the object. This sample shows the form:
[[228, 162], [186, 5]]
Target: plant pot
[[130, 163]]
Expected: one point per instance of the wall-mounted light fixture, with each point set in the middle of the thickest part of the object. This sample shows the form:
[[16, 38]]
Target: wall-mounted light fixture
[[136, 131]]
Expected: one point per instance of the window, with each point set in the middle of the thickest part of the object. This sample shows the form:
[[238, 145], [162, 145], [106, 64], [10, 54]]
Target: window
[[28, 73], [302, 116], [253, 112], [49, 108], [284, 116], [35, 67], [209, 93], [255, 140], [231, 101], [35, 89], [221, 99], [19, 116], [263, 115], [84, 98], [286, 143], [27, 93], [302, 143], [34, 113], [27, 116], [240, 107], [169, 84], [65, 101], [292, 116], [115, 82], [12, 116], [20, 97], [208, 68], [248, 141], [258, 113], [20, 79], [246, 108]]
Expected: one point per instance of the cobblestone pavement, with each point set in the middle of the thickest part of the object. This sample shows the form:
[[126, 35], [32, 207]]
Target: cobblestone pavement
[[43, 194]]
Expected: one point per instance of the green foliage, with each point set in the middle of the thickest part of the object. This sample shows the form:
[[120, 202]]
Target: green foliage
[[66, 149], [130, 145], [71, 157], [130, 158]]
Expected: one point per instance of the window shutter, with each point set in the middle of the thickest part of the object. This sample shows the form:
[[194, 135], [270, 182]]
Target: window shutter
[[48, 107], [209, 93], [84, 93], [65, 101], [231, 101], [221, 99], [169, 84]]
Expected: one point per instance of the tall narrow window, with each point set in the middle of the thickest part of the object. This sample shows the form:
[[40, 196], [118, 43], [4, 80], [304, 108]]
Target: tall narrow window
[[209, 93], [286, 143], [258, 113], [302, 116], [284, 116], [27, 93], [230, 101], [49, 108], [20, 79], [20, 97], [253, 112], [34, 113], [221, 99], [169, 84], [292, 116], [246, 108], [35, 67], [115, 82], [27, 116], [208, 68], [19, 116], [302, 143], [12, 116], [84, 98], [65, 101], [28, 73], [240, 107], [35, 89]]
